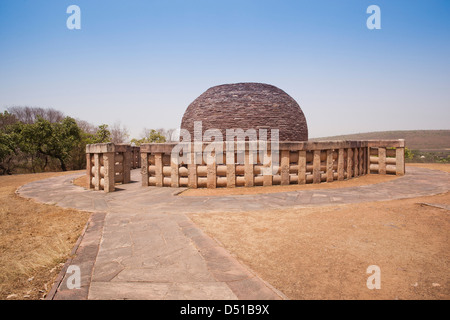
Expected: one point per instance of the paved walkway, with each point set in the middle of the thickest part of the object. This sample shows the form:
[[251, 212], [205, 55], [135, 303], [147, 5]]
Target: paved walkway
[[140, 244]]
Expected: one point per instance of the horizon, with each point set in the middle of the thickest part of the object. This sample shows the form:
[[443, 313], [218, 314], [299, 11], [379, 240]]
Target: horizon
[[142, 63]]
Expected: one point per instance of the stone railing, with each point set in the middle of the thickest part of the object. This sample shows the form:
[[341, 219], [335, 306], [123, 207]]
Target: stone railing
[[386, 157], [135, 157], [108, 164], [293, 163]]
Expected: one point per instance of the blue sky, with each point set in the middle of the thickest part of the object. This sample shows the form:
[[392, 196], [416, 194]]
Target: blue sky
[[143, 62]]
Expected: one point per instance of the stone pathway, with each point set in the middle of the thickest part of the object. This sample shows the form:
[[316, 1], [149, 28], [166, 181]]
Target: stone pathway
[[140, 244]]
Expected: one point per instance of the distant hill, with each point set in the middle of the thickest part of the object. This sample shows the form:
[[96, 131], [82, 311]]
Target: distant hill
[[424, 140]]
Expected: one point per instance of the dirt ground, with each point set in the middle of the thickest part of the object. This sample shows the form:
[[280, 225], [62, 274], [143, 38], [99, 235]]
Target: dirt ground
[[310, 253], [324, 252], [81, 182], [35, 239]]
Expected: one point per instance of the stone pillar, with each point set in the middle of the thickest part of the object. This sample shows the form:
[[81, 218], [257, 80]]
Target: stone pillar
[[302, 167], [138, 157], [341, 164], [366, 160], [159, 170], [192, 168], [231, 167], [285, 167], [381, 160], [174, 179], [248, 168], [211, 175], [133, 158], [97, 175], [89, 166], [109, 165], [330, 176], [267, 168], [144, 168], [349, 163], [356, 162], [316, 167], [400, 161], [127, 157], [123, 161], [361, 161]]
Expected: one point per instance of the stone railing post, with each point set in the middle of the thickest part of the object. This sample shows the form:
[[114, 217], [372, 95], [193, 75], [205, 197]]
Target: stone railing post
[[100, 166], [301, 167], [284, 164], [107, 164], [135, 157], [386, 157], [400, 159], [144, 169]]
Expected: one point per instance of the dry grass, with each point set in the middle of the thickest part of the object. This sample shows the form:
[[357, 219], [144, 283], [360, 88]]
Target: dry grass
[[81, 182], [324, 252], [35, 239]]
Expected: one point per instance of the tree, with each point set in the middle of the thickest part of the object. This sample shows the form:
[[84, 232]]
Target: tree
[[30, 115], [7, 150], [156, 137], [86, 127], [153, 136], [55, 140], [8, 141], [409, 154], [102, 135], [169, 134], [119, 134], [37, 139], [6, 120]]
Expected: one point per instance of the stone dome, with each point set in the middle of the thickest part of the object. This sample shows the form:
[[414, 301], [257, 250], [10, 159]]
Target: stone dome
[[247, 106]]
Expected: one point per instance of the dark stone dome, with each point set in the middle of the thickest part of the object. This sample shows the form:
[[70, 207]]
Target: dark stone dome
[[247, 106]]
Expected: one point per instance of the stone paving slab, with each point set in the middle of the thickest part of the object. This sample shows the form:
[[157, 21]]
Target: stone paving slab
[[140, 244], [160, 291], [84, 256]]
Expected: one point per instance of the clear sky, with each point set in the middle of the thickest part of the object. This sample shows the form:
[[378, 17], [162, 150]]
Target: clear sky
[[143, 62]]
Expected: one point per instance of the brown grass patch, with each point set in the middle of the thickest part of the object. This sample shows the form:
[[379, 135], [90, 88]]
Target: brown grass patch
[[81, 182], [35, 239], [324, 252]]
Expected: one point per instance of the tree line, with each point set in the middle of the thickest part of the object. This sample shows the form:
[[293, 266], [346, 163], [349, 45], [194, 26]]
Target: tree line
[[38, 140]]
